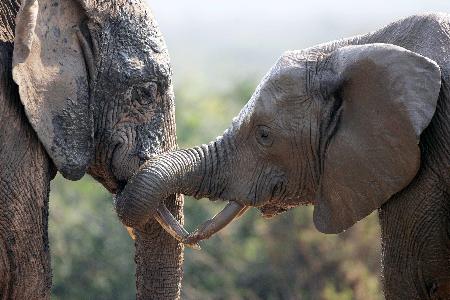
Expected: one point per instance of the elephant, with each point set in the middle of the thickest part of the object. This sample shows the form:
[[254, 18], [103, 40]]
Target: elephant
[[85, 87], [349, 126]]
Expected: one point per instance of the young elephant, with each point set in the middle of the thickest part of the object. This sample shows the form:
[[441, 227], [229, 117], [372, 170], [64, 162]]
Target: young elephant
[[349, 126]]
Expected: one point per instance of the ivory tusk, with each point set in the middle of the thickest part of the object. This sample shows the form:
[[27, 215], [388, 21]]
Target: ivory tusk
[[173, 227], [131, 232], [218, 222], [243, 211]]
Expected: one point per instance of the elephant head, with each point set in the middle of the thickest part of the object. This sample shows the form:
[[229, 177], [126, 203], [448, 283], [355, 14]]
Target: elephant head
[[338, 129], [94, 79]]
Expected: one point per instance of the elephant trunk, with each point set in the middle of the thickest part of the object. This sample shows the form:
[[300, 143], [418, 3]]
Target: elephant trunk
[[198, 172], [180, 171]]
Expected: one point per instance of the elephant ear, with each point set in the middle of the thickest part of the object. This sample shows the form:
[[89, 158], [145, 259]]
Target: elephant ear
[[388, 96], [50, 69]]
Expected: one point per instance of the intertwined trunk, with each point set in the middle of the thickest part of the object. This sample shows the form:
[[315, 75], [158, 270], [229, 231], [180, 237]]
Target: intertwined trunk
[[25, 174], [195, 172]]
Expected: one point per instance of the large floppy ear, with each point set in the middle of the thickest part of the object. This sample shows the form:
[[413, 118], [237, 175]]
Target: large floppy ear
[[387, 97], [50, 68]]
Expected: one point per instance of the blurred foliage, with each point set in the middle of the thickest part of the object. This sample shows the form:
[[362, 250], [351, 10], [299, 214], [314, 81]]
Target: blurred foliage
[[253, 258], [92, 254]]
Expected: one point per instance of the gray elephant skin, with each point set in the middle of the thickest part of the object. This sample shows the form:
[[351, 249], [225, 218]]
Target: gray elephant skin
[[91, 94], [349, 126]]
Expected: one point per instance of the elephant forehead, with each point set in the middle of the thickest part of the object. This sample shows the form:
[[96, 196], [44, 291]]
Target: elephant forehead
[[297, 73], [131, 45], [244, 116], [288, 80], [262, 100]]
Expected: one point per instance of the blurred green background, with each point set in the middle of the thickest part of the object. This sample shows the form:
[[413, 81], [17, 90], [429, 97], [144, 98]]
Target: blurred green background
[[220, 50]]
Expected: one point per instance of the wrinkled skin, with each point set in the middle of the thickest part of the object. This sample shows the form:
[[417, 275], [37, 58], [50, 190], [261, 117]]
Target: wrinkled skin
[[24, 254], [349, 126], [94, 96]]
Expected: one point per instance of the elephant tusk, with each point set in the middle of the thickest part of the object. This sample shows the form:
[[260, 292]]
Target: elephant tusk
[[243, 211], [131, 233], [173, 227], [218, 222]]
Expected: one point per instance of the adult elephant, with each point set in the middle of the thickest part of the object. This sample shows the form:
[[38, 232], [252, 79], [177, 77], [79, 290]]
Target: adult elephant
[[349, 126], [94, 81]]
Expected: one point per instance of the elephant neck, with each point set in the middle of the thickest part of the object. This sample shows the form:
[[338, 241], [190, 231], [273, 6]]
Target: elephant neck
[[25, 175], [414, 229]]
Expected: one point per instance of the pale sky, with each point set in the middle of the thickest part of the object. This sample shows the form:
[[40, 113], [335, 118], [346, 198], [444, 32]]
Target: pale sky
[[220, 38]]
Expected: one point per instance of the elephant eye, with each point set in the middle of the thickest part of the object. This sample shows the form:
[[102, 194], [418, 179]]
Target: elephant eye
[[264, 136], [145, 94]]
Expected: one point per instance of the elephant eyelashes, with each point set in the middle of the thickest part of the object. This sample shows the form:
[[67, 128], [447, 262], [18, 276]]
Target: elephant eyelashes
[[264, 136]]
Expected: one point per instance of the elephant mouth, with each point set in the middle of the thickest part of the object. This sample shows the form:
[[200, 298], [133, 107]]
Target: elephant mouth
[[270, 211], [112, 168], [121, 167], [124, 164], [276, 207], [120, 185]]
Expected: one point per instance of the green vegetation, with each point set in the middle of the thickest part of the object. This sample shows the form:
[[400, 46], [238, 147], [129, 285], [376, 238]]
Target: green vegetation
[[254, 258]]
